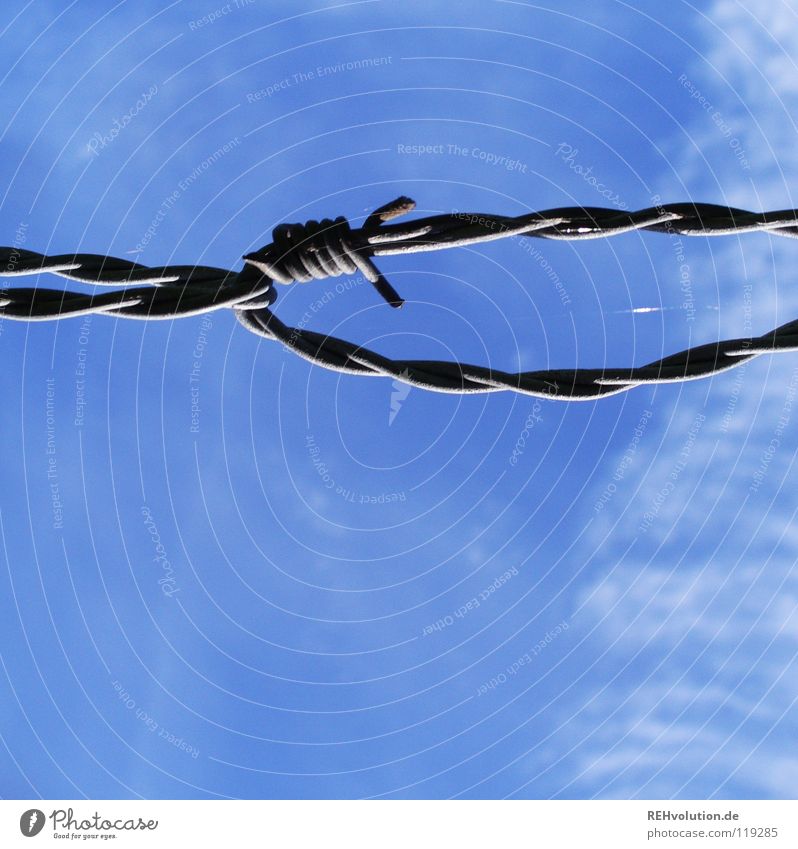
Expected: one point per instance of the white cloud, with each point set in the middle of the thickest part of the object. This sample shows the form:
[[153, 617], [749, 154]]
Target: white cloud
[[711, 587]]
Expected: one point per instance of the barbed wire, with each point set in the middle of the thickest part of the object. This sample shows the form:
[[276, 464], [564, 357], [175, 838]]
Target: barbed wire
[[331, 247]]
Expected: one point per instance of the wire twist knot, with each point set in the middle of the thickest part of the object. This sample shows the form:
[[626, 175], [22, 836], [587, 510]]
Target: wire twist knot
[[316, 250], [330, 247]]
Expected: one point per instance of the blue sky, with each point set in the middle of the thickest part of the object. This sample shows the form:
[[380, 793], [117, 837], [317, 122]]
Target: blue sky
[[226, 573]]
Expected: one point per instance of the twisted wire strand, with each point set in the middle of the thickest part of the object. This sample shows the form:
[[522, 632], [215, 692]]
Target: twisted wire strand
[[328, 248], [173, 291], [561, 384]]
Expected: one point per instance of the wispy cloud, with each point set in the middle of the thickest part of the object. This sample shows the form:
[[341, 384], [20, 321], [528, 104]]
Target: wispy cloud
[[701, 615]]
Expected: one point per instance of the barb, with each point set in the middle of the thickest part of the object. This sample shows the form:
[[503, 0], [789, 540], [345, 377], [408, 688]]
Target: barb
[[330, 247]]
